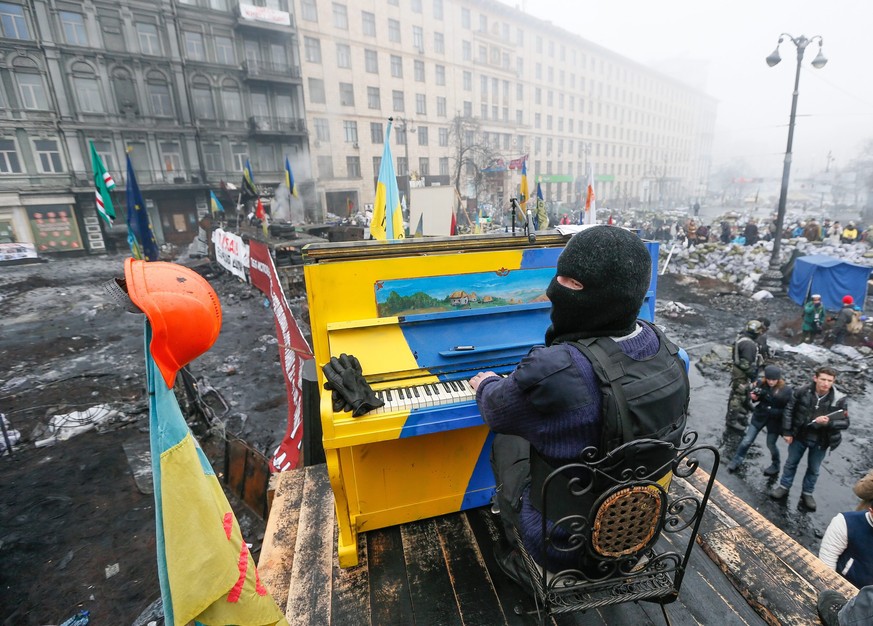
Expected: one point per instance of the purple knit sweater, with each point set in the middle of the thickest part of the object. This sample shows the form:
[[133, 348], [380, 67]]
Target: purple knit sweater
[[558, 430]]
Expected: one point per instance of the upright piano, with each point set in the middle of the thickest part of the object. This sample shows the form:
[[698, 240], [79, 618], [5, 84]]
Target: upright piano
[[423, 315]]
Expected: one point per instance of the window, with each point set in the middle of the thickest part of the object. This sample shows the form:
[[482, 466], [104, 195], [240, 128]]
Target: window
[[88, 95], [212, 157], [48, 155], [394, 31], [377, 165], [340, 16], [194, 49], [468, 108], [424, 166], [420, 104], [483, 23], [467, 49], [402, 166], [171, 156], [224, 52], [149, 42], [538, 96], [396, 66], [204, 107], [309, 10], [400, 135], [376, 132], [347, 94], [9, 163], [439, 43], [32, 90], [397, 101], [465, 18], [418, 70], [104, 151], [312, 49], [468, 81], [421, 131], [353, 166], [444, 166], [231, 104], [441, 106], [73, 25], [159, 97], [325, 167], [438, 9], [343, 56], [239, 154], [12, 21], [350, 131], [371, 61], [418, 38], [316, 90], [368, 23], [322, 129], [373, 99], [440, 74], [444, 137], [416, 6]]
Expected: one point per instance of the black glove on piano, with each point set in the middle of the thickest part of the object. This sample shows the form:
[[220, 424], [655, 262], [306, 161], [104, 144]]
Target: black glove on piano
[[350, 391]]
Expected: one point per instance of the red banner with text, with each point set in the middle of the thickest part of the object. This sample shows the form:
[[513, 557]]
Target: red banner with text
[[293, 350]]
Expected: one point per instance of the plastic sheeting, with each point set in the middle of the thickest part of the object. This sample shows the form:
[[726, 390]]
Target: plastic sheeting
[[830, 277]]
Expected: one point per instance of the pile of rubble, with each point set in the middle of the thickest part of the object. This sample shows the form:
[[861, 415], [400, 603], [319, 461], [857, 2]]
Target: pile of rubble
[[744, 265]]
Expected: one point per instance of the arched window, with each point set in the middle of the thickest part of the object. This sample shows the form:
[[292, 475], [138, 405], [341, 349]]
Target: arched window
[[159, 95], [89, 96], [201, 96], [125, 91], [231, 102], [32, 93]]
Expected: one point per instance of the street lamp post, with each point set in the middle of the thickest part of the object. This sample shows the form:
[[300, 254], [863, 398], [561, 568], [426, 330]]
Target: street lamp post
[[819, 62]]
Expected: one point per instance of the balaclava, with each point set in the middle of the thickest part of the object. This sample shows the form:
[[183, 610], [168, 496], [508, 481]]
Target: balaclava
[[614, 268]]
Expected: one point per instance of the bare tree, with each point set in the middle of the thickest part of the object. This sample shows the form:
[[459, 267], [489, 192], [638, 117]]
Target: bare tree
[[470, 154]]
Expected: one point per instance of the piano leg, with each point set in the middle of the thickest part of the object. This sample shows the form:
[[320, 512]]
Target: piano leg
[[347, 540]]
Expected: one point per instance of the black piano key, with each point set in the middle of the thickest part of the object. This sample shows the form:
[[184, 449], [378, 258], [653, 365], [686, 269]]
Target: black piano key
[[415, 392], [427, 389], [388, 395], [446, 387], [455, 385]]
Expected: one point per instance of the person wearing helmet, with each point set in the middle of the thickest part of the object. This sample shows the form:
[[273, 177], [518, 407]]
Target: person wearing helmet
[[843, 319], [849, 234], [813, 318], [746, 360]]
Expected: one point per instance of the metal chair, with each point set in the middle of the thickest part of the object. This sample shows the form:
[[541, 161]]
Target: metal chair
[[617, 533]]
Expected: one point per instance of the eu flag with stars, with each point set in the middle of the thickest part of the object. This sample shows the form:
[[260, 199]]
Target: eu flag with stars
[[140, 234]]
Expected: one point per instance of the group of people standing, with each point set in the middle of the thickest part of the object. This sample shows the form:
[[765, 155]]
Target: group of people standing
[[846, 321], [810, 418]]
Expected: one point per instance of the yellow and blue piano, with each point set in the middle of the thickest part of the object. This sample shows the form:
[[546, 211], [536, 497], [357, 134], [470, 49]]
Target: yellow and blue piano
[[423, 316]]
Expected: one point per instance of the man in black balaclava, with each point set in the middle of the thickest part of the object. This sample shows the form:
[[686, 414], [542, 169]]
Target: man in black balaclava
[[552, 401]]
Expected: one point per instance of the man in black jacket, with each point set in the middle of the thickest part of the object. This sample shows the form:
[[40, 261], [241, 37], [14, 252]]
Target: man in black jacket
[[746, 359], [813, 420]]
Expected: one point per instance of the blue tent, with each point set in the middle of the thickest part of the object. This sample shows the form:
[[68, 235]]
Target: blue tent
[[830, 277]]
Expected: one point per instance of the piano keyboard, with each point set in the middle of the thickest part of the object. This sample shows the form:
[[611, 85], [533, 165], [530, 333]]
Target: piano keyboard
[[424, 396]]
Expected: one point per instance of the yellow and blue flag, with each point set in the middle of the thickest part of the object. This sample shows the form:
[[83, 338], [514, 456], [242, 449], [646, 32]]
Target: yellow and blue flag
[[387, 222], [205, 570], [540, 218], [214, 204], [289, 178], [249, 188], [140, 234], [524, 190]]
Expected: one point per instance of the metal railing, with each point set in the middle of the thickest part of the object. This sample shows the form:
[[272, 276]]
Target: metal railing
[[269, 69], [270, 124]]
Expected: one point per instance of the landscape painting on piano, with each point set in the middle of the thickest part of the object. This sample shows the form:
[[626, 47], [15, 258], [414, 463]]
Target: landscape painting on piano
[[432, 294]]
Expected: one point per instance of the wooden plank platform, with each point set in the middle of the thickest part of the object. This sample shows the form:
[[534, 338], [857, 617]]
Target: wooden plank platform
[[443, 571]]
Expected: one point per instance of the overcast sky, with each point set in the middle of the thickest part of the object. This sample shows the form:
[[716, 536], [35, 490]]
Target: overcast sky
[[731, 39]]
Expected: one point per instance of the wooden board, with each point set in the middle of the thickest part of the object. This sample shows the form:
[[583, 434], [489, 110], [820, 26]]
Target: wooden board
[[280, 536]]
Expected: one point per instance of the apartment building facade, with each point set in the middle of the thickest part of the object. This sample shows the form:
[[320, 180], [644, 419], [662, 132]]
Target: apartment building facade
[[526, 86], [189, 88]]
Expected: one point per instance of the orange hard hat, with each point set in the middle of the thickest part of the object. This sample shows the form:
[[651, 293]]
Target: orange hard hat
[[182, 308]]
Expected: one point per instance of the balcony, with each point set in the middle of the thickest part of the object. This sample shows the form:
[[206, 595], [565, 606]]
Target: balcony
[[253, 17], [277, 126], [272, 72], [83, 181]]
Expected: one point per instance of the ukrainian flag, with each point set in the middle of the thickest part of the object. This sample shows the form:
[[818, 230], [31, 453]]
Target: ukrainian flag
[[214, 204], [524, 191], [387, 220], [205, 570], [289, 178]]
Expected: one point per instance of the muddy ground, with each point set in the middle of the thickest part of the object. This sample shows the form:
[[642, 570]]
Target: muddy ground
[[69, 511]]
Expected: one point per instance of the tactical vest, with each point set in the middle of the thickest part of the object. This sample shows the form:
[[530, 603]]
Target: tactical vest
[[642, 399], [855, 563]]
